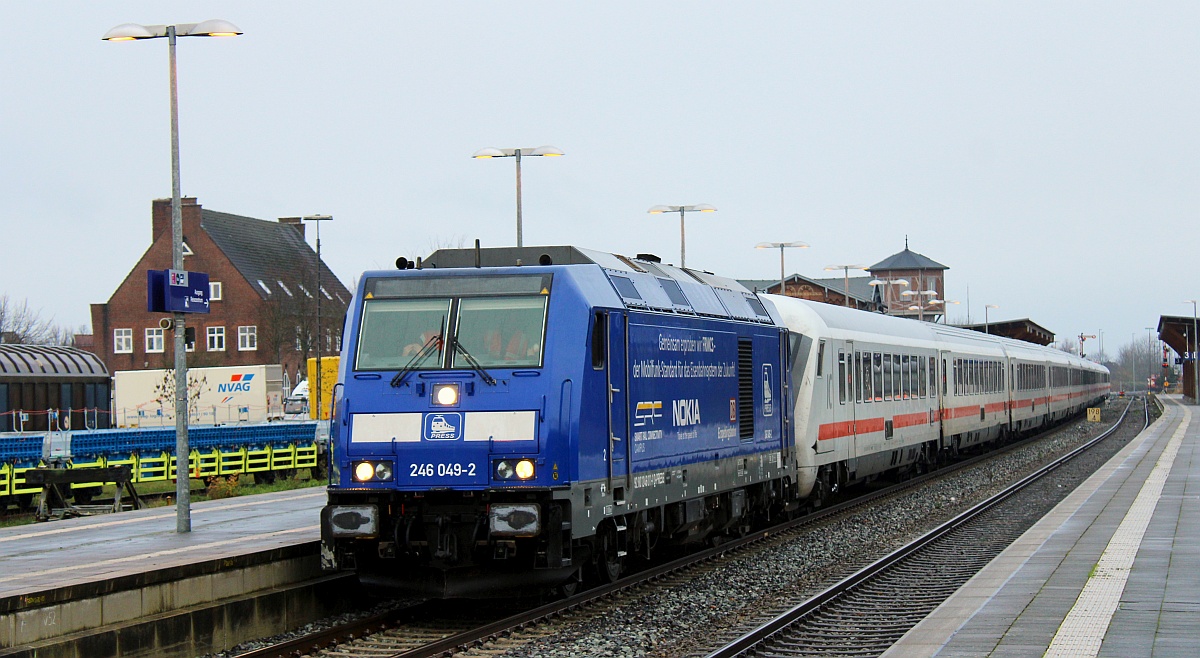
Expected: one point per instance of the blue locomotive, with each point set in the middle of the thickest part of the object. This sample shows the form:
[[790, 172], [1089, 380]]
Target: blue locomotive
[[523, 418]]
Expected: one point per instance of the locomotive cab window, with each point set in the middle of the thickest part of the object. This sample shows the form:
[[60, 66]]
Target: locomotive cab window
[[501, 331], [488, 322], [396, 332]]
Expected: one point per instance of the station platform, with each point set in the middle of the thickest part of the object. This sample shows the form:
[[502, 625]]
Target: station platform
[[1113, 570], [72, 575]]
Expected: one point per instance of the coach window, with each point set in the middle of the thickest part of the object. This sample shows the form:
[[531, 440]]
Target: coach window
[[858, 383], [842, 377], [877, 375], [864, 376], [889, 384], [122, 341], [821, 358], [922, 378]]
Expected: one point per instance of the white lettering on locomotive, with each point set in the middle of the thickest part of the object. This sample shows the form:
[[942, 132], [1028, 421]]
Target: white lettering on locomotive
[[685, 412]]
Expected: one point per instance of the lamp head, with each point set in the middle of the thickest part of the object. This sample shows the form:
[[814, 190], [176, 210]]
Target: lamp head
[[489, 152]]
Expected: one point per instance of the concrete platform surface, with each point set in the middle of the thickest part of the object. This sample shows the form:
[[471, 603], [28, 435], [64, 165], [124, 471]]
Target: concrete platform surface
[[36, 560], [1113, 570]]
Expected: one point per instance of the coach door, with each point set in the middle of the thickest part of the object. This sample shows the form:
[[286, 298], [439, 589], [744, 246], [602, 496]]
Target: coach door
[[842, 398], [618, 407], [944, 387]]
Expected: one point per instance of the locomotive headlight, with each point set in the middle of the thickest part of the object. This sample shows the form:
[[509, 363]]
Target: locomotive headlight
[[445, 395], [504, 470], [525, 469], [372, 471], [364, 471]]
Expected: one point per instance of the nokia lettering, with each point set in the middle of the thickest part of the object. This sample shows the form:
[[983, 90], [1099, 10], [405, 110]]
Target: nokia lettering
[[686, 412]]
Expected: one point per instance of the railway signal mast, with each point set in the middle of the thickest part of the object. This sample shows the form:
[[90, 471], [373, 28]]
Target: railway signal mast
[[1082, 338]]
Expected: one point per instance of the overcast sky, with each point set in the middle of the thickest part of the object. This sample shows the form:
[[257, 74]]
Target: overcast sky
[[1046, 152]]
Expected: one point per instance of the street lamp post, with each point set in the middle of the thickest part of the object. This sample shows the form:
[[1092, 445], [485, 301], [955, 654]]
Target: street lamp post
[[887, 290], [780, 246], [320, 392], [700, 207], [924, 298], [987, 329], [133, 32], [1192, 357], [490, 152], [845, 278], [1150, 354]]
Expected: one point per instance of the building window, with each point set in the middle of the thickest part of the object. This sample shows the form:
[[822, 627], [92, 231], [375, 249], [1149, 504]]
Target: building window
[[285, 288], [154, 340], [215, 291], [216, 339], [123, 341], [248, 338]]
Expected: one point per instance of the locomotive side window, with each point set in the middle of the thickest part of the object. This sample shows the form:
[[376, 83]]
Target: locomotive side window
[[500, 331], [395, 331], [599, 340], [821, 359]]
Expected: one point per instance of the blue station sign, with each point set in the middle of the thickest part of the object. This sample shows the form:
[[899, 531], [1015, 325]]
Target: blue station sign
[[176, 291]]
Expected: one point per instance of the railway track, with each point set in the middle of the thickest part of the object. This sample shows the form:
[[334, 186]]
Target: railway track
[[419, 631], [864, 614]]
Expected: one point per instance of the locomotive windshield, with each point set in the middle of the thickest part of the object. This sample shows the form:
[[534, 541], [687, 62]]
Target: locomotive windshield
[[501, 331], [397, 331], [493, 329]]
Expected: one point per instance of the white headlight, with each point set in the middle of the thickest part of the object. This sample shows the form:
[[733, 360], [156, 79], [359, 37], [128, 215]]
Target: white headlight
[[383, 470], [525, 469], [445, 394], [364, 471]]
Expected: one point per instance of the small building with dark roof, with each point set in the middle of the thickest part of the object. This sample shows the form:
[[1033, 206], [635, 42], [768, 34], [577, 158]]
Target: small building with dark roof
[[921, 277], [830, 291], [263, 286], [51, 387]]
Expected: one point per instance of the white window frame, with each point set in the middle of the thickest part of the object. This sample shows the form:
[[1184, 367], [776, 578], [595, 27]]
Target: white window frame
[[122, 341], [155, 335], [248, 338], [215, 339], [216, 291]]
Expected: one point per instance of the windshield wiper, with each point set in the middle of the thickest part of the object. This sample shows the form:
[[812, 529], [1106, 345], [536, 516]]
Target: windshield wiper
[[434, 343], [483, 374]]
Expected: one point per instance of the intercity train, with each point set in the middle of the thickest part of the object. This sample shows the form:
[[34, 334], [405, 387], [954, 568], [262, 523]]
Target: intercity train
[[525, 418]]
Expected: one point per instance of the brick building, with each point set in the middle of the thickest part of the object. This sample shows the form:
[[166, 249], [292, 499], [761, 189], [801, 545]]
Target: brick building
[[262, 278], [910, 285]]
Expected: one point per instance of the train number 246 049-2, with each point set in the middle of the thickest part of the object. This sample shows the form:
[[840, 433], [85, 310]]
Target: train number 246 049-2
[[441, 470]]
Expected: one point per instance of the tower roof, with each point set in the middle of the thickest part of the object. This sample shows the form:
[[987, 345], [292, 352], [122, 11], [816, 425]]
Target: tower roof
[[907, 260]]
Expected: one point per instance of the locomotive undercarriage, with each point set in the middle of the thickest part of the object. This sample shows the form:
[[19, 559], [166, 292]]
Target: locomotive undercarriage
[[444, 544]]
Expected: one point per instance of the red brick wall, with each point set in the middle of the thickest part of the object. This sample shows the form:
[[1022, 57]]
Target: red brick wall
[[241, 304]]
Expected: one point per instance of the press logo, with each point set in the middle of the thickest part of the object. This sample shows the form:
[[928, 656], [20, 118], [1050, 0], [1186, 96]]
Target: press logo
[[443, 427]]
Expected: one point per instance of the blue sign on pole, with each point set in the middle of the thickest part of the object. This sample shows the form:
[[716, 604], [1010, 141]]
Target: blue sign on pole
[[176, 291]]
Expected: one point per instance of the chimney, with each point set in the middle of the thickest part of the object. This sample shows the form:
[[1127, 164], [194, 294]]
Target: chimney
[[160, 215], [294, 222]]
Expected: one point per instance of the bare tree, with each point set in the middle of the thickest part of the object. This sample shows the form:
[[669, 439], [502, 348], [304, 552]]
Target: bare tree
[[23, 325]]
